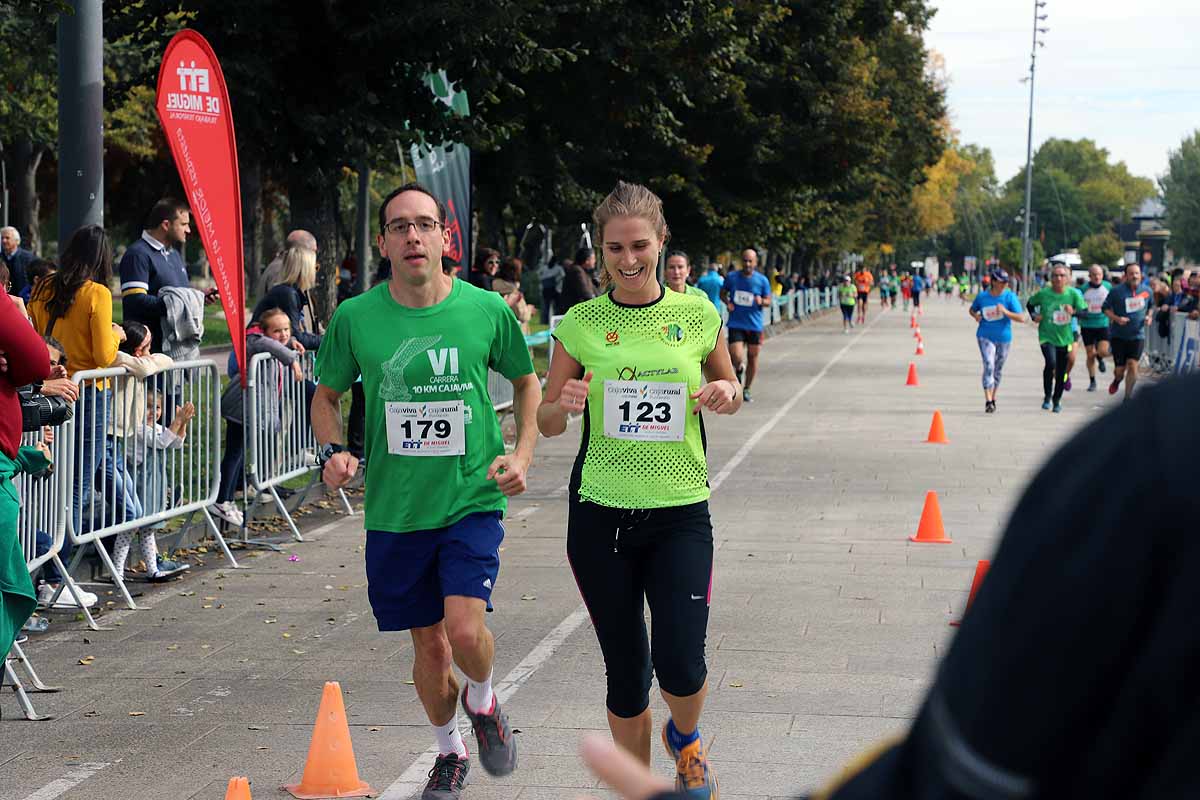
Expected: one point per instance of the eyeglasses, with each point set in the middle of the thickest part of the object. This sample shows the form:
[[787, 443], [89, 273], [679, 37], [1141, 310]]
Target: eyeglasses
[[399, 227]]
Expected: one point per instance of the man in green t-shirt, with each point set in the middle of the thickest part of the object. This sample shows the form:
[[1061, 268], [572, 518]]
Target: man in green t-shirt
[[437, 476], [1052, 309]]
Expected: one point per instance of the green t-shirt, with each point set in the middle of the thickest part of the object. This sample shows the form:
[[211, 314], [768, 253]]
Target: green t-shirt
[[415, 364], [1046, 302], [695, 292], [631, 350], [847, 294]]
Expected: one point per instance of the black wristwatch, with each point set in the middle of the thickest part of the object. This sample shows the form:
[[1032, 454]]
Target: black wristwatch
[[326, 452]]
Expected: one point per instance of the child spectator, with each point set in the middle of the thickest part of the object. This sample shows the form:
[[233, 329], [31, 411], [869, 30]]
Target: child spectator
[[150, 460], [270, 333]]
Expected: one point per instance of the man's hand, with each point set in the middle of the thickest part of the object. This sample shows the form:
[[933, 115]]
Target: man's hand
[[628, 777], [65, 388], [339, 470], [212, 296], [508, 471], [58, 371], [717, 396], [1122, 320]]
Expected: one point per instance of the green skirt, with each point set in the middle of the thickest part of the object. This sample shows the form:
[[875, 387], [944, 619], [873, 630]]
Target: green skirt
[[17, 598]]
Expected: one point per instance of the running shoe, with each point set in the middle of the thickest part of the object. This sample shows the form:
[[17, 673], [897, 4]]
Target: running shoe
[[497, 747], [694, 778], [1100, 364], [1092, 385], [1112, 387], [746, 396], [447, 778], [741, 375], [166, 569], [1057, 408], [1046, 404], [989, 407]]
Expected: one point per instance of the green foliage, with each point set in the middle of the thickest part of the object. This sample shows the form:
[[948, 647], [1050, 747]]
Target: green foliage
[[1181, 194], [1102, 248], [1009, 252], [28, 75]]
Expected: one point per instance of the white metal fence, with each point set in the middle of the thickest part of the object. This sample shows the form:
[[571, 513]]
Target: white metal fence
[[279, 437]]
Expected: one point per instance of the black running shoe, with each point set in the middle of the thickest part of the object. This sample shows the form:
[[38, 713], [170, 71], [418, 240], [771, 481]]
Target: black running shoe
[[1100, 364], [447, 778], [497, 747]]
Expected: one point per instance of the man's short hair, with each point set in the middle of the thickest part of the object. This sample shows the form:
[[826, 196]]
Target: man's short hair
[[165, 210], [409, 187]]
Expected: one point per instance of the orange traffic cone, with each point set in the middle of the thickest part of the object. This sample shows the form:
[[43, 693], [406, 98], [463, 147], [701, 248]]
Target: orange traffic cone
[[980, 570], [912, 375], [917, 332], [912, 321], [930, 530], [937, 431], [330, 770], [239, 789], [920, 347]]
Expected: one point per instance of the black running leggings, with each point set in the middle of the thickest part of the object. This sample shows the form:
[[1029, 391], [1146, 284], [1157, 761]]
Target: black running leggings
[[1054, 372], [625, 558]]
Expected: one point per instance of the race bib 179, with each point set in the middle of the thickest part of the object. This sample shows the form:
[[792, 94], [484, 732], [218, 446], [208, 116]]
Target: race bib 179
[[426, 429], [645, 412]]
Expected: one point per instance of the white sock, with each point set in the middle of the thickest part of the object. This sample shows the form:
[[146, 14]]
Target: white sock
[[479, 694], [449, 738]]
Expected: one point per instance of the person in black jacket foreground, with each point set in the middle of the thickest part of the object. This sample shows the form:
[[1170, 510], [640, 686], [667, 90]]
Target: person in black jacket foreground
[[1073, 675]]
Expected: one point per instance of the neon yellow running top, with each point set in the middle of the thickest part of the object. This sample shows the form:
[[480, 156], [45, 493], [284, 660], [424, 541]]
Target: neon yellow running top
[[641, 445]]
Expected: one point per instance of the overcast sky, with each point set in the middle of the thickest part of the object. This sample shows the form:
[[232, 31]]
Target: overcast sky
[[1125, 74]]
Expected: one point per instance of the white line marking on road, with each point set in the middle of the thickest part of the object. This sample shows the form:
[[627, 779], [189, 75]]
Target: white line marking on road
[[414, 778], [68, 782], [766, 427]]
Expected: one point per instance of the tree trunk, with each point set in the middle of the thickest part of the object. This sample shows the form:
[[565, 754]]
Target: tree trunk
[[250, 175], [26, 206], [312, 194]]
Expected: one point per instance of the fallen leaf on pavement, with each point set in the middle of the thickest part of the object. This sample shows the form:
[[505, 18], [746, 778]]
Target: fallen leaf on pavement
[[137, 713]]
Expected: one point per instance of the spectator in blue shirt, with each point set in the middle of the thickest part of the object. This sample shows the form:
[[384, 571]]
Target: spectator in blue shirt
[[17, 260], [154, 261]]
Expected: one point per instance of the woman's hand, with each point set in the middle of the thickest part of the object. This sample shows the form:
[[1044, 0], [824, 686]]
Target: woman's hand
[[574, 394], [119, 332], [716, 396]]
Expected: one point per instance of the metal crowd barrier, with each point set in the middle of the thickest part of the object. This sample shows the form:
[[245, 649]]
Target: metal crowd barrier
[[1179, 351], [279, 436], [45, 503], [135, 483]]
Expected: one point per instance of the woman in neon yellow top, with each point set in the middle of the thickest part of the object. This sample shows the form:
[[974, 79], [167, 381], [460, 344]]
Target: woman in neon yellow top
[[641, 363]]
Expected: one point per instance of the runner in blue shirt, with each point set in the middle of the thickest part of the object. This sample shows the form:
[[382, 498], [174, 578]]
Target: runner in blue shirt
[[918, 286], [995, 310], [711, 283], [1127, 308], [746, 292]]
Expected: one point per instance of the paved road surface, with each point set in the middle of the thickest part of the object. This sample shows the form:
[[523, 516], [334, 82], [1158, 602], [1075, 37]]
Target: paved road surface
[[826, 622]]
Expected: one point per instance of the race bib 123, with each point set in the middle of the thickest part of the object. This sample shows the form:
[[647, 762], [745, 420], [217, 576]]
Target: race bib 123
[[645, 412]]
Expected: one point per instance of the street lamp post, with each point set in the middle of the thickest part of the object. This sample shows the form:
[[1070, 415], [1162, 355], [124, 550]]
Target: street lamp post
[[1026, 243]]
